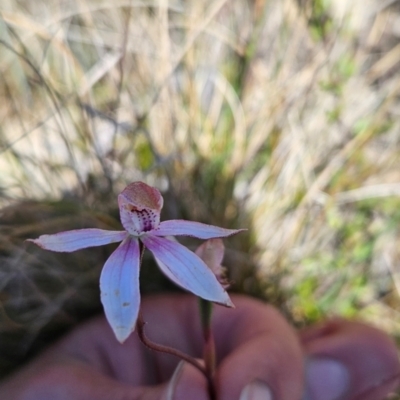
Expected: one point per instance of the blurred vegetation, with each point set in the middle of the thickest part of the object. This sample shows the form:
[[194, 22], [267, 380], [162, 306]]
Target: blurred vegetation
[[279, 116]]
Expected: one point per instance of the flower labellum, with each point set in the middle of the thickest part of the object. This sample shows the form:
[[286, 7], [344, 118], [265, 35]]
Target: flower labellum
[[140, 206]]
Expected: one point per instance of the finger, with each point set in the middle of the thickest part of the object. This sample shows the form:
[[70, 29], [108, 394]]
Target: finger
[[253, 342], [94, 344], [186, 380], [73, 382], [260, 352], [79, 382], [349, 360]]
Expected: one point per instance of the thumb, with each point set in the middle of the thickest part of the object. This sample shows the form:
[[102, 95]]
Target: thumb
[[79, 382], [74, 382], [349, 358], [186, 382]]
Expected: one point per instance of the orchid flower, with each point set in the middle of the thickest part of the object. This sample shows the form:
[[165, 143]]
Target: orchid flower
[[140, 206]]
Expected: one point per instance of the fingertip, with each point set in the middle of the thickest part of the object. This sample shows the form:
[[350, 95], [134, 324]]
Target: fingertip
[[267, 364], [326, 379], [367, 354], [256, 390], [259, 351], [186, 381]]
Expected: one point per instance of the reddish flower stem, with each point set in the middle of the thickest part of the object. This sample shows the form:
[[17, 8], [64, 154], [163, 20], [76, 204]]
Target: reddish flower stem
[[177, 353], [206, 371]]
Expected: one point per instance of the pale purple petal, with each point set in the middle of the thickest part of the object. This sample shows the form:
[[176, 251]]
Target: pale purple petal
[[212, 253], [175, 227], [119, 286], [186, 269], [78, 239]]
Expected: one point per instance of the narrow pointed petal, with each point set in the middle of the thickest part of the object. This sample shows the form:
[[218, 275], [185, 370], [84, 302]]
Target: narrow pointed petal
[[186, 269], [175, 227], [119, 286], [78, 239]]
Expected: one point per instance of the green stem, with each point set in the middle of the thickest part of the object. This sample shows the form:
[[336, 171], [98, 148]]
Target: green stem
[[206, 308]]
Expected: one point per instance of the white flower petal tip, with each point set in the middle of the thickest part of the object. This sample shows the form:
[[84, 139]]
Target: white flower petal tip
[[36, 241], [122, 334], [227, 304]]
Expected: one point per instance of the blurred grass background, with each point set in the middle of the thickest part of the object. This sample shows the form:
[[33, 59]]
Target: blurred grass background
[[280, 116]]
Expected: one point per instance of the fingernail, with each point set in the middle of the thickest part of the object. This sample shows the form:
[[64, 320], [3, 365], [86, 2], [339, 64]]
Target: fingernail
[[256, 390], [169, 393], [326, 379]]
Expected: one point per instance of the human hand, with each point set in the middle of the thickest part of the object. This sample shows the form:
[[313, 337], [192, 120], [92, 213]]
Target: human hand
[[260, 356]]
